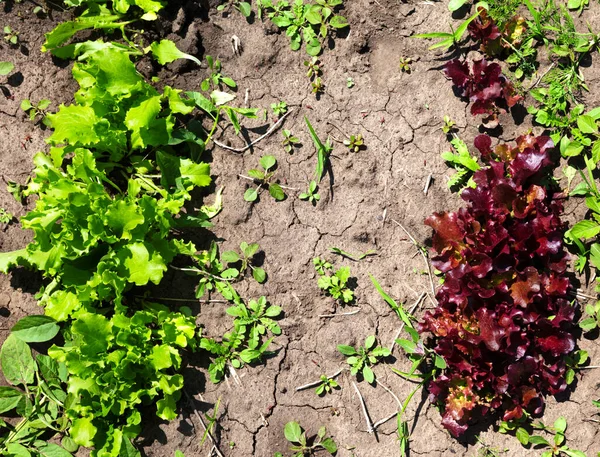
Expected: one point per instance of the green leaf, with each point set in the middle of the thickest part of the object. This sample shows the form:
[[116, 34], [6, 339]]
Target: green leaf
[[259, 275], [338, 22], [408, 346], [572, 453], [166, 52], [538, 440], [245, 8], [94, 331], [221, 98], [370, 341], [6, 68], [293, 432], [74, 125], [17, 363], [268, 162], [35, 329], [585, 229], [230, 257], [9, 398], [143, 263], [276, 192], [587, 124], [368, 374], [454, 5], [346, 350], [588, 324], [83, 431], [560, 425], [53, 450], [17, 450], [251, 194], [329, 445], [522, 436]]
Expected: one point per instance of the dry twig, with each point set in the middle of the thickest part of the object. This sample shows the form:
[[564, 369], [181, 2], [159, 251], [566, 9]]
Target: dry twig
[[316, 383], [341, 314], [370, 428], [199, 417]]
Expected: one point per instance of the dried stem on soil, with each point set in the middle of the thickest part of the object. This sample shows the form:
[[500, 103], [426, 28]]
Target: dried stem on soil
[[420, 252], [316, 383], [260, 138], [340, 314], [370, 428]]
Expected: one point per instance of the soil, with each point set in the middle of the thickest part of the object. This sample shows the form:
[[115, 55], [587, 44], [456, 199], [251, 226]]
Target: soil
[[365, 199]]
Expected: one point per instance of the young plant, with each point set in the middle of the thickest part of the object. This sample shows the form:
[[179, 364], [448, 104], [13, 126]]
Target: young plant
[[355, 143], [289, 141], [592, 321], [336, 283], [314, 68], [263, 179], [279, 108], [302, 446], [37, 111], [361, 359], [326, 386], [449, 126], [485, 86], [11, 36], [405, 63], [216, 79], [311, 193], [464, 164], [305, 21], [323, 152], [317, 86], [349, 82], [245, 260], [5, 216], [244, 344], [243, 7], [524, 428]]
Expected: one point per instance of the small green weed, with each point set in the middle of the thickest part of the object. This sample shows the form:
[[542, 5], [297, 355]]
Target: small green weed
[[361, 359], [323, 151], [36, 111], [463, 162], [263, 179], [279, 108], [327, 385], [448, 39], [243, 7], [289, 141], [311, 193], [303, 446], [405, 63], [245, 261], [5, 216], [334, 283], [216, 79], [11, 36], [355, 143], [6, 68]]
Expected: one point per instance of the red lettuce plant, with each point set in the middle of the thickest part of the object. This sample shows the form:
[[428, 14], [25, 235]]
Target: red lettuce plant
[[495, 40], [483, 84], [503, 323]]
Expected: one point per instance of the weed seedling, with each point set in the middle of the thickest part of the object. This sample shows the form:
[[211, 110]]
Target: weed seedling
[[323, 151], [5, 216], [448, 39], [355, 143], [11, 36], [314, 68], [243, 7], [317, 86], [349, 83], [37, 111], [263, 179], [311, 194], [463, 162], [216, 79], [449, 126], [289, 141], [361, 359], [279, 108], [303, 446], [592, 321], [405, 64], [326, 385], [355, 257], [245, 259], [336, 283]]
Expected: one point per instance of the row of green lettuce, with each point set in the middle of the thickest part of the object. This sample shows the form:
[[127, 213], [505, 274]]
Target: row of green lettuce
[[115, 196]]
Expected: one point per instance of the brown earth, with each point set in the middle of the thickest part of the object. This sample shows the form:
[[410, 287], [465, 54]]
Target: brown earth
[[400, 116]]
